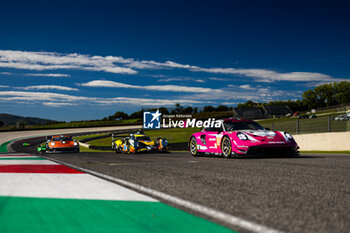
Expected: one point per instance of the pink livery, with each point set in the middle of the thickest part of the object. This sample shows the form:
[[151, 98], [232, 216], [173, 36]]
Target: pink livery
[[240, 138]]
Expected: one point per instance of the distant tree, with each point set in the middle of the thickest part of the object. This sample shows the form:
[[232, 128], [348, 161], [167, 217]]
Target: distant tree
[[21, 124], [188, 110], [178, 108], [249, 103], [163, 110], [209, 108], [2, 124], [136, 115], [325, 94], [195, 110], [310, 99], [342, 92], [119, 116], [222, 108]]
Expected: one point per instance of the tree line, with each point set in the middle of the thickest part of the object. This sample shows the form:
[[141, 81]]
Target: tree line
[[321, 96]]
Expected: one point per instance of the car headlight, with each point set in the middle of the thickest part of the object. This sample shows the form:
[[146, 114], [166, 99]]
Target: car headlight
[[52, 144], [75, 143], [242, 136], [288, 136]]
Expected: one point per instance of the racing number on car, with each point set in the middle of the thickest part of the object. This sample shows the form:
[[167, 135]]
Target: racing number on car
[[218, 141]]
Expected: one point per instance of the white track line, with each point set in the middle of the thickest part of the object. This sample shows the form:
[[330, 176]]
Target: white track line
[[27, 162], [67, 186], [224, 217]]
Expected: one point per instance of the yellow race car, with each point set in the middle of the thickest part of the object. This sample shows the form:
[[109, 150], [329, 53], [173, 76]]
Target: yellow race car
[[139, 142]]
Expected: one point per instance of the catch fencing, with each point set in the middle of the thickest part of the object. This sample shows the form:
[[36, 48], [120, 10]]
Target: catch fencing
[[321, 124]]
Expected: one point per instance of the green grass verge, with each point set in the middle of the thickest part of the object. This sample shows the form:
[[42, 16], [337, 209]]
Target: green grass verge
[[176, 135], [79, 138], [84, 149], [78, 124], [315, 125], [3, 147]]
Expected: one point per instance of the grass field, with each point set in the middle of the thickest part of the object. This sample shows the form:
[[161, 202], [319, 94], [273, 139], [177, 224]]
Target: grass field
[[84, 149], [78, 124], [79, 138], [175, 135], [315, 125]]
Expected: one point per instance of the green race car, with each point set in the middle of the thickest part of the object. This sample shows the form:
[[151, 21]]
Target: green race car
[[42, 148], [26, 144]]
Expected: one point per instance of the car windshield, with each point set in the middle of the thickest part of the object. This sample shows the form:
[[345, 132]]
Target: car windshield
[[62, 139], [143, 138], [232, 126]]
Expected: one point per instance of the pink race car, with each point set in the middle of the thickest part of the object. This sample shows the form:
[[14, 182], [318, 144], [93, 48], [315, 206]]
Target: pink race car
[[240, 138]]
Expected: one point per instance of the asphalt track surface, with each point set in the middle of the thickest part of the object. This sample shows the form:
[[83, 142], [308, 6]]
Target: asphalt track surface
[[310, 193]]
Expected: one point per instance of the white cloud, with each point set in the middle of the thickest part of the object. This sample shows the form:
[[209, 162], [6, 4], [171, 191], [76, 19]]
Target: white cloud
[[54, 61], [51, 99], [3, 86], [181, 78], [229, 103], [218, 79], [6, 73], [170, 79], [48, 75], [156, 75], [247, 87], [40, 96], [173, 88], [315, 84], [263, 75], [55, 104], [47, 87], [199, 81], [234, 93], [147, 102]]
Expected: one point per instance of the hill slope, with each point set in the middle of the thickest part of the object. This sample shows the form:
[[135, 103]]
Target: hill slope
[[9, 119]]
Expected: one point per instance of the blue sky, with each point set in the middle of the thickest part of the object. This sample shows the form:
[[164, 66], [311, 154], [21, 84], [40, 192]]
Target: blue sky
[[86, 60]]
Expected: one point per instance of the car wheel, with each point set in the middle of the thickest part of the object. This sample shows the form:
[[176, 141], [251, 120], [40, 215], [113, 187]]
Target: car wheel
[[226, 147], [193, 147]]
